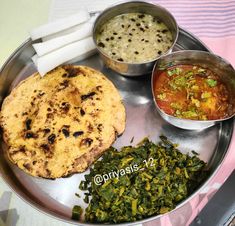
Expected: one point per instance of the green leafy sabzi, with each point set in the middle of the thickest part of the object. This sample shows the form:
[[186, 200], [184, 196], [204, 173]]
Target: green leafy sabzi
[[145, 180], [77, 212]]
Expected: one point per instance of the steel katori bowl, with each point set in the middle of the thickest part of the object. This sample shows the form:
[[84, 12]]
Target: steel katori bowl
[[214, 63], [157, 11]]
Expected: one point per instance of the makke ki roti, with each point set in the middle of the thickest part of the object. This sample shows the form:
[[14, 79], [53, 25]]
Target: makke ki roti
[[60, 124]]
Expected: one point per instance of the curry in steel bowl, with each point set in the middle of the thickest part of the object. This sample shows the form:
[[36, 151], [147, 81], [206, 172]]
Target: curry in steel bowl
[[192, 92], [193, 89]]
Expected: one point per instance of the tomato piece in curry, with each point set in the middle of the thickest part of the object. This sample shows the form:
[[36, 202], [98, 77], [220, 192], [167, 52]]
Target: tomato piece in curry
[[191, 92]]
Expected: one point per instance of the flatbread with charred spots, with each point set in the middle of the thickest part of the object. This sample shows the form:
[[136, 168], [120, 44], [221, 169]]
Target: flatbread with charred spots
[[60, 124]]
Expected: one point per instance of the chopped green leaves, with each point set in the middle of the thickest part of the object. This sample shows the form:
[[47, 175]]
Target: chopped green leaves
[[134, 206], [161, 96], [211, 82], [171, 72], [176, 71], [206, 95], [77, 212], [78, 195], [176, 105], [194, 152], [178, 112], [162, 177], [196, 102], [83, 186], [190, 114], [86, 199]]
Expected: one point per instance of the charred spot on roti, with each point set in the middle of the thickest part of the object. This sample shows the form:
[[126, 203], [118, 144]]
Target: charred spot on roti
[[40, 94], [28, 124], [78, 133], [89, 128], [65, 132], [65, 107], [45, 147], [29, 135], [51, 138], [99, 88], [88, 96], [20, 150], [86, 142], [72, 71], [100, 127], [49, 115], [48, 172], [46, 130], [82, 112], [63, 85], [64, 75], [27, 166]]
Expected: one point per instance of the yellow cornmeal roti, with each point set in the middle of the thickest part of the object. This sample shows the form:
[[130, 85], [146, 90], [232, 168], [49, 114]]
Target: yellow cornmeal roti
[[60, 124]]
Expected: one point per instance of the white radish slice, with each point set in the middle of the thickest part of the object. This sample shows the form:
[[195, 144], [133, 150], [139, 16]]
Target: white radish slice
[[53, 59], [84, 30], [60, 25]]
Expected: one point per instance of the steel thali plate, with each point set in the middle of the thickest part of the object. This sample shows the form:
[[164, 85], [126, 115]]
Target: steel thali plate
[[57, 197]]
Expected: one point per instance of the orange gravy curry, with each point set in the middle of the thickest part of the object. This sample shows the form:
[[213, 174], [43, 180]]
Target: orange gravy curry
[[191, 92]]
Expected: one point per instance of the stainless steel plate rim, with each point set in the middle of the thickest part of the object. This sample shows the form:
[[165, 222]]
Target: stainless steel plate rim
[[57, 216]]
